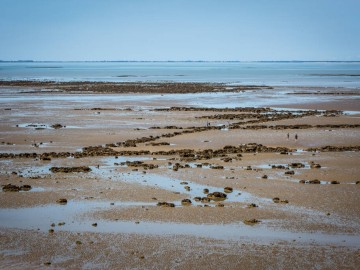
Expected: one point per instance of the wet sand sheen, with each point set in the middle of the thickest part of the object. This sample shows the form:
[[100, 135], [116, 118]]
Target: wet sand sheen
[[121, 198]]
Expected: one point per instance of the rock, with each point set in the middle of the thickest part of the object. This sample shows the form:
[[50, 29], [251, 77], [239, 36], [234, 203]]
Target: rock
[[252, 221], [165, 204], [314, 165], [206, 191], [217, 167], [302, 181], [220, 204], [334, 182], [69, 169], [357, 182], [289, 173], [277, 200], [228, 189], [217, 196], [296, 165], [94, 224], [187, 188], [197, 199], [252, 205], [249, 168], [57, 126], [264, 176], [62, 201], [205, 200], [186, 202], [315, 181], [25, 187], [11, 188], [184, 183]]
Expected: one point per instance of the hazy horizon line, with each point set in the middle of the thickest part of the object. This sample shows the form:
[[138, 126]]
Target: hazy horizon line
[[171, 61]]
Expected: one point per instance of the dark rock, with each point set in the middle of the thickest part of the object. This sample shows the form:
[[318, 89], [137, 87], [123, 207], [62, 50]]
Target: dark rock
[[62, 201], [315, 181], [252, 221], [165, 204], [217, 196], [186, 202], [228, 189], [11, 188], [70, 169], [25, 187]]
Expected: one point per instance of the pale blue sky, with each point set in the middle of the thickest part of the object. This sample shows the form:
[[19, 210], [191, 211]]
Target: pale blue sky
[[246, 30]]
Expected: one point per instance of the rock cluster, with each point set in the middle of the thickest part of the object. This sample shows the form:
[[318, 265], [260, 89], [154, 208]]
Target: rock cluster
[[69, 169], [15, 188]]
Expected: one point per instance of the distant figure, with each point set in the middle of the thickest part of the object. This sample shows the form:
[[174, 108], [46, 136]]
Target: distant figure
[[288, 136], [296, 137]]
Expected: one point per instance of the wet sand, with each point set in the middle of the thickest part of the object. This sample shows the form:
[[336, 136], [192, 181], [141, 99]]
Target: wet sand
[[134, 151]]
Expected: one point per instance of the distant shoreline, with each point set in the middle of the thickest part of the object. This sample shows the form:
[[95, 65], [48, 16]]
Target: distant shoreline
[[179, 61]]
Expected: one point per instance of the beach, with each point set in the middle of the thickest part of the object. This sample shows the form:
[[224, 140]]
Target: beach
[[192, 175]]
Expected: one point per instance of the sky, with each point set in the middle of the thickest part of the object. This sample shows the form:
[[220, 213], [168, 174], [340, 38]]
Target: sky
[[161, 30]]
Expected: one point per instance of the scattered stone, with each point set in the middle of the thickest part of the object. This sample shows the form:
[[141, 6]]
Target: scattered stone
[[69, 169], [51, 231], [62, 201], [206, 191], [296, 165], [186, 202], [314, 165], [252, 205], [277, 200], [11, 188], [315, 181], [57, 126], [78, 242], [289, 173], [220, 204], [217, 196], [184, 183], [334, 182], [165, 204], [25, 187], [205, 200], [94, 224], [228, 189], [264, 176], [251, 221]]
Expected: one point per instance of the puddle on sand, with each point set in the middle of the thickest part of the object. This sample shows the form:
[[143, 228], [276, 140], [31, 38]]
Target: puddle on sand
[[174, 185], [40, 218], [33, 189], [41, 126]]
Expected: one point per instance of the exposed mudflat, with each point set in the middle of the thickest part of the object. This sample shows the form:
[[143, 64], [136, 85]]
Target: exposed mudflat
[[99, 180]]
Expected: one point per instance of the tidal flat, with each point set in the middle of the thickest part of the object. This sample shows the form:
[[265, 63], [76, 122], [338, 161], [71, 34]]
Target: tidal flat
[[205, 176]]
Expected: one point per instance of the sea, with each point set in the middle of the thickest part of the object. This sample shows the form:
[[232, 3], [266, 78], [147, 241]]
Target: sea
[[290, 73]]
